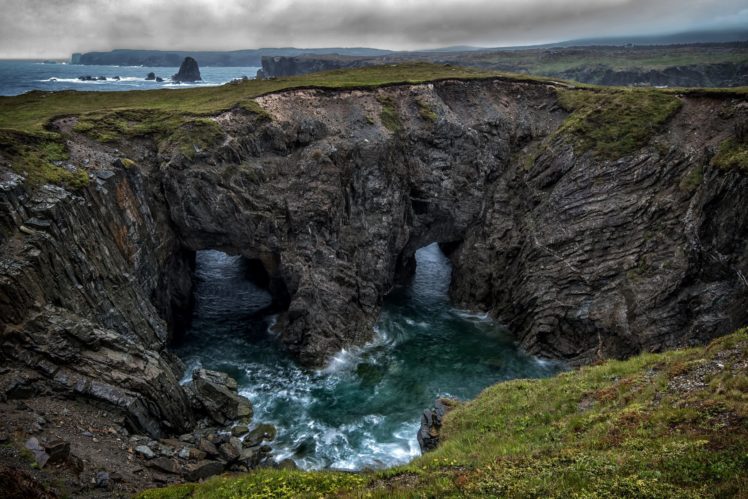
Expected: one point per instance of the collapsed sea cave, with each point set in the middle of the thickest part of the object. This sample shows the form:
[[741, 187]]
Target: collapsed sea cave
[[361, 409], [324, 212]]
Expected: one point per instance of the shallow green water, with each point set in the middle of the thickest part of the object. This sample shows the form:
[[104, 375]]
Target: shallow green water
[[363, 410]]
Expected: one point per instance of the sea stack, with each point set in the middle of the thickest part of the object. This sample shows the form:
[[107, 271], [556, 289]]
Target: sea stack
[[188, 71]]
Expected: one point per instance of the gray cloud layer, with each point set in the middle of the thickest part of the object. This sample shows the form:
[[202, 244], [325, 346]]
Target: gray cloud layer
[[55, 28]]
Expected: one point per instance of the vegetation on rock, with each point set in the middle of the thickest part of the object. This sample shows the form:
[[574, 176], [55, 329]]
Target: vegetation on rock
[[614, 123]]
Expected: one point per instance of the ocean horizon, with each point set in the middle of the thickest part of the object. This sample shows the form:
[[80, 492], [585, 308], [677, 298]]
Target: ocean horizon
[[21, 76]]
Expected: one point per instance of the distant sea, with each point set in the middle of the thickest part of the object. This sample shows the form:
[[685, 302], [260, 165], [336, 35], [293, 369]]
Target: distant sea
[[18, 77]]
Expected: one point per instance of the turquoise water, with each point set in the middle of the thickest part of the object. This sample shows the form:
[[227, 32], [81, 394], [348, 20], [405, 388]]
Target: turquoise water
[[17, 77], [363, 409]]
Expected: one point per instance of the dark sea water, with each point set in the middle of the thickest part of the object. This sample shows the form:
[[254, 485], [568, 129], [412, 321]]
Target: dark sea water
[[17, 77], [363, 409]]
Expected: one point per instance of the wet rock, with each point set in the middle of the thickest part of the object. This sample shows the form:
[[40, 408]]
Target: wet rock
[[150, 76], [145, 451], [202, 470], [164, 464], [102, 480], [287, 464], [58, 450], [263, 432], [159, 79], [188, 71], [431, 423], [239, 430], [216, 392], [4, 438]]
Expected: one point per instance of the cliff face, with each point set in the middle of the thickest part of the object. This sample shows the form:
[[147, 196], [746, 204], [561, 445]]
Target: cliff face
[[584, 257]]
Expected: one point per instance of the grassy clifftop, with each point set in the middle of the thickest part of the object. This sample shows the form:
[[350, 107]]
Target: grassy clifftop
[[657, 425]]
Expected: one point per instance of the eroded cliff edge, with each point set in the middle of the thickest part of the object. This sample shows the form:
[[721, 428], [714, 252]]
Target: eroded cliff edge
[[584, 254]]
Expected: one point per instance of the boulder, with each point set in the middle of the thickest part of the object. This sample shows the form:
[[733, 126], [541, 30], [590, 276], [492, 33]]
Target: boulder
[[145, 451], [150, 76], [164, 464], [431, 423], [216, 392], [229, 452], [188, 71], [58, 450], [203, 470], [159, 79], [263, 432], [207, 447]]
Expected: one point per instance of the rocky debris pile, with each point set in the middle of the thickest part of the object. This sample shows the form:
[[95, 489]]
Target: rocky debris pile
[[209, 451], [431, 423], [189, 71]]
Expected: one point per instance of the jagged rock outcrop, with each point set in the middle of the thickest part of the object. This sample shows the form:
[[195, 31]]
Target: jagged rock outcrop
[[582, 257], [188, 71], [431, 422]]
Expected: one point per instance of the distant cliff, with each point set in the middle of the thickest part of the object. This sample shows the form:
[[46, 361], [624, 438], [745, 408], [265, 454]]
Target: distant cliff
[[696, 65], [159, 58]]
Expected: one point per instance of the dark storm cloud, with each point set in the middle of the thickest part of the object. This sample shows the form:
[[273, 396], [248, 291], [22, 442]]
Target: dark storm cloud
[[55, 28]]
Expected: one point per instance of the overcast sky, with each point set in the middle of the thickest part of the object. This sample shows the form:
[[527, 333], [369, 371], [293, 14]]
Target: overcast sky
[[56, 28]]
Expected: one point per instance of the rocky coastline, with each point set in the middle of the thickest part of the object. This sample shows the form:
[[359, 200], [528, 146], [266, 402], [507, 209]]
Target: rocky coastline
[[329, 193]]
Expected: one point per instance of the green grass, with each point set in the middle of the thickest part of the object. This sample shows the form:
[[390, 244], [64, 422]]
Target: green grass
[[656, 425], [32, 111], [732, 153], [389, 115], [39, 157], [426, 112], [615, 122], [174, 118]]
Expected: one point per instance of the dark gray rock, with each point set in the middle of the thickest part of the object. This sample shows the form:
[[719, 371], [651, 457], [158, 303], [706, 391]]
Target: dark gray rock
[[207, 447], [165, 464], [262, 432], [216, 393], [102, 480], [431, 423], [58, 450], [145, 451], [202, 470], [150, 76], [188, 71]]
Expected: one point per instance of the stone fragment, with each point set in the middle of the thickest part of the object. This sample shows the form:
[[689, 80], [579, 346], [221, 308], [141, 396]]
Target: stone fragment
[[102, 480], [145, 451], [58, 450]]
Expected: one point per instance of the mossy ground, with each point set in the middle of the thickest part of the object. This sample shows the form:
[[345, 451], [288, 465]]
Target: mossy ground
[[616, 122], [656, 425], [732, 153]]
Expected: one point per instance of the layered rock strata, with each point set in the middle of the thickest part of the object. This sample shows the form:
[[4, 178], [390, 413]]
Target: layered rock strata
[[583, 257]]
